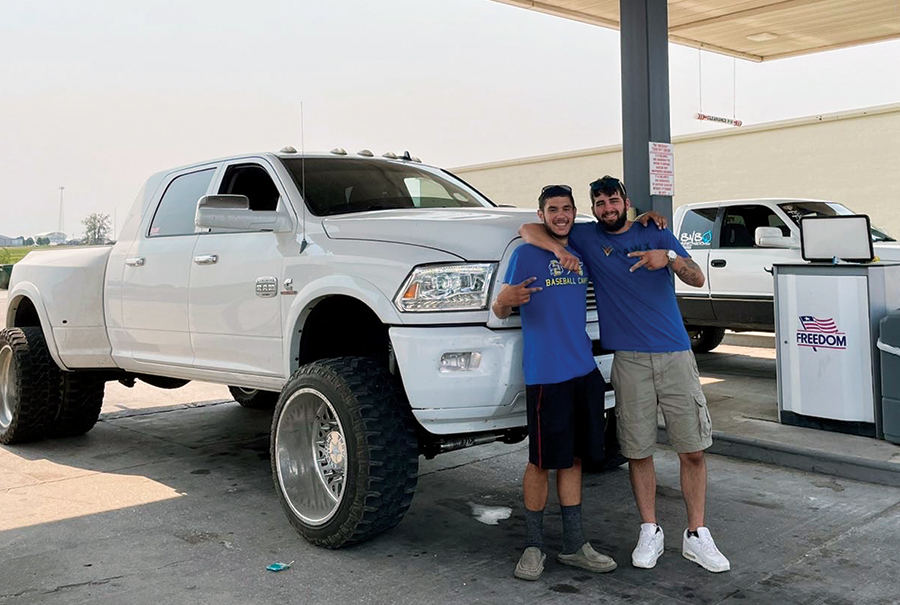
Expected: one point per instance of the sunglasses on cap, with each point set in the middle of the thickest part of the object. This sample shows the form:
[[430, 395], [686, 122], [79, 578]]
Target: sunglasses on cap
[[565, 188], [608, 185]]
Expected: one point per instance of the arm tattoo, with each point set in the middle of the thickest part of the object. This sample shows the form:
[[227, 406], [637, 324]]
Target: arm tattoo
[[690, 273]]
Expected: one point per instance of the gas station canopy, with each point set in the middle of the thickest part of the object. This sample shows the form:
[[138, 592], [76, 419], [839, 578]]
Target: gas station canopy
[[757, 30]]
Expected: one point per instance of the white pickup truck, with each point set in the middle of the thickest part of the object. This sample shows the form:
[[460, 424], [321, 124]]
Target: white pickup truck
[[736, 242], [351, 293]]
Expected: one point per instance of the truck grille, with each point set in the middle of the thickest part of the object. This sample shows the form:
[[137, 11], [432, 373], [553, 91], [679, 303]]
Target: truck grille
[[591, 297]]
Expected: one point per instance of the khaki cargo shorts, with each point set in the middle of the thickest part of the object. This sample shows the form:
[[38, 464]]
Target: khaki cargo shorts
[[671, 381]]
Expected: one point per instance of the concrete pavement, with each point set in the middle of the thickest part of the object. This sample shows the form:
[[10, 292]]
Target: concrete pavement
[[176, 505], [169, 499], [740, 386]]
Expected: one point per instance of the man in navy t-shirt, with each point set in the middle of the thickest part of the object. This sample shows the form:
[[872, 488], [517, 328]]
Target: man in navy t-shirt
[[564, 389], [654, 367]]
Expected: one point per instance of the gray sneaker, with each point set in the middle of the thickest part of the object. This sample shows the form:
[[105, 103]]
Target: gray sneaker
[[588, 558], [531, 564]]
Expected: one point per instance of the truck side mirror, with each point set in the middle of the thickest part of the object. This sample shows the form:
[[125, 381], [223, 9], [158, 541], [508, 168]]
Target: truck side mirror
[[233, 212], [236, 202], [771, 237]]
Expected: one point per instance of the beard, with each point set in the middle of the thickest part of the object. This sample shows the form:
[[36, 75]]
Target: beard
[[617, 225]]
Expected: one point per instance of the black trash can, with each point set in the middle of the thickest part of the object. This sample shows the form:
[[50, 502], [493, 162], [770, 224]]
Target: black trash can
[[889, 345]]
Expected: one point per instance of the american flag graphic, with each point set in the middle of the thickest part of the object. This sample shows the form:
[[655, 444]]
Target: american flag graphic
[[815, 324]]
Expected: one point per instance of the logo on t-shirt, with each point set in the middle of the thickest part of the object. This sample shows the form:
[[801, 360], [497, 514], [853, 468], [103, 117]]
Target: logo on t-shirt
[[607, 250], [555, 268], [557, 271]]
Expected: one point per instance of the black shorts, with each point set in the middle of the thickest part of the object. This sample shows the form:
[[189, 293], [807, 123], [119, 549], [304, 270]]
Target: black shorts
[[566, 420]]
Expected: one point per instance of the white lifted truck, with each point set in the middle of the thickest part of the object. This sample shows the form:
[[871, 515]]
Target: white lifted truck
[[352, 293]]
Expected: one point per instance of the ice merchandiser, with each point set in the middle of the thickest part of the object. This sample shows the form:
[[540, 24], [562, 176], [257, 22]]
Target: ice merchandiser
[[827, 315], [826, 328]]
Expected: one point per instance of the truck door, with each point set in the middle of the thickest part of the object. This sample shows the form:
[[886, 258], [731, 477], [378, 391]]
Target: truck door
[[696, 235], [236, 283], [155, 279], [740, 281]]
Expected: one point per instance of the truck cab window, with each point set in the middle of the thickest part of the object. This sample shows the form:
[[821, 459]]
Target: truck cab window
[[254, 182], [176, 210], [740, 224], [345, 185], [697, 228]]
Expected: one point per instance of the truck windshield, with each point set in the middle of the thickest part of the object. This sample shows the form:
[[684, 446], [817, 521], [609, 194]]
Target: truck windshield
[[344, 185], [797, 210]]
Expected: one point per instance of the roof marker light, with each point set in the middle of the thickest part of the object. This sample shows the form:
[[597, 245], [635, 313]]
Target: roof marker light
[[288, 149], [366, 153], [389, 154], [339, 151]]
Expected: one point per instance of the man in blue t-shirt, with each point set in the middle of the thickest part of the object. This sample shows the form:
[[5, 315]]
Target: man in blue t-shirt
[[564, 390], [654, 367]]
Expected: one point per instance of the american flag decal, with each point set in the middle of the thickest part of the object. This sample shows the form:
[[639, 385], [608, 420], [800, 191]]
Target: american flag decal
[[815, 324], [820, 332]]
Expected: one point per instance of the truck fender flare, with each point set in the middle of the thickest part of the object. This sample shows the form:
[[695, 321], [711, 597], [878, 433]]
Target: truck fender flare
[[29, 290], [332, 285]]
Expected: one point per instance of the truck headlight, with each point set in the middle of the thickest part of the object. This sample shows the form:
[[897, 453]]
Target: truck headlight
[[462, 287]]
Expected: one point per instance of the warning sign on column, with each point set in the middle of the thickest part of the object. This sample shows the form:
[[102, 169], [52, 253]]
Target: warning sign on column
[[662, 169]]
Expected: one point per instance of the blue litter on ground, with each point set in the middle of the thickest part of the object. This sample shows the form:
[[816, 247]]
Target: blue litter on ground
[[279, 566]]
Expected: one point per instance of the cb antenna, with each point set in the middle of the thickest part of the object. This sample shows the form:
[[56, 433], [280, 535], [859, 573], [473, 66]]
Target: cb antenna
[[303, 242]]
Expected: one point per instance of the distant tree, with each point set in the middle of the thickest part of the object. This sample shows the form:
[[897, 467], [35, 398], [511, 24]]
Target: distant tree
[[96, 228], [42, 241], [29, 241]]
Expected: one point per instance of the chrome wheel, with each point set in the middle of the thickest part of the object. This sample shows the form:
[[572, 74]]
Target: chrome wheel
[[310, 456], [6, 404]]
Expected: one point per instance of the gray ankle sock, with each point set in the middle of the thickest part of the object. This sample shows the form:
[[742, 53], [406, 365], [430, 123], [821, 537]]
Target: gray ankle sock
[[573, 534], [534, 528]]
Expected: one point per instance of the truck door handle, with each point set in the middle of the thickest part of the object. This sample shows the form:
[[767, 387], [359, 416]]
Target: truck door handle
[[135, 261], [719, 262], [206, 259]]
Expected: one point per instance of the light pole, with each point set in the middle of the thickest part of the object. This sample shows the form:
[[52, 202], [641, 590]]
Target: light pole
[[62, 220]]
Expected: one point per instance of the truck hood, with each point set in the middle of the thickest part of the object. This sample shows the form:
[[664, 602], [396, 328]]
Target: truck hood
[[474, 234], [887, 250]]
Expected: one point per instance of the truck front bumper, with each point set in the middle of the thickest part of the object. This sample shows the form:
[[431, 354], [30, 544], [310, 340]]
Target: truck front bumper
[[484, 397]]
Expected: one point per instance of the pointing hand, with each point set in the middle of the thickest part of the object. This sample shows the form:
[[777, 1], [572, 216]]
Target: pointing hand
[[651, 259], [518, 295]]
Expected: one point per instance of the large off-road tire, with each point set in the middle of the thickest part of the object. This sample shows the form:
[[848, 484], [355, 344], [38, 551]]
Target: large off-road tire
[[82, 398], [254, 398], [29, 386], [705, 338], [344, 451]]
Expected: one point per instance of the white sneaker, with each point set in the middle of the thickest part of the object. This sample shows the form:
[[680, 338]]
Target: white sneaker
[[649, 546], [702, 550]]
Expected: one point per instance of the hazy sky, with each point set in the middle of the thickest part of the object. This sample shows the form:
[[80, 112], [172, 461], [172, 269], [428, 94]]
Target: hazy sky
[[95, 95]]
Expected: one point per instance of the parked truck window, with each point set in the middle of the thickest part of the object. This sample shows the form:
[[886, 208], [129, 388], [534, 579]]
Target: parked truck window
[[741, 222], [697, 228], [797, 210], [254, 182], [175, 214], [345, 185]]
